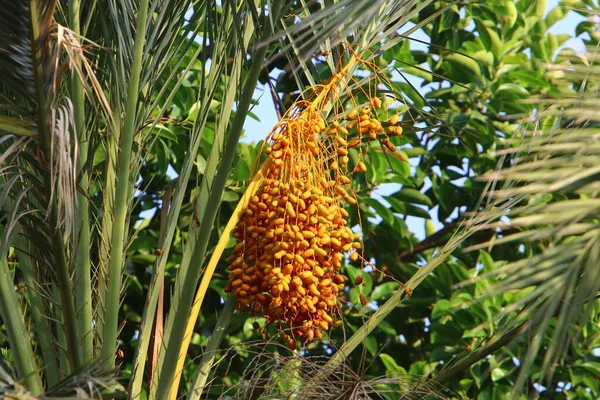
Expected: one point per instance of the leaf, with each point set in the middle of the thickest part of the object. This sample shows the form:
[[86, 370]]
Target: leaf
[[410, 92], [422, 368], [497, 374], [354, 296], [555, 15], [551, 44], [491, 40], [390, 364], [163, 154], [418, 72], [163, 132], [253, 116], [230, 196], [592, 367], [442, 307], [446, 194], [441, 353], [387, 328], [484, 57], [371, 344], [591, 382], [465, 384], [430, 228], [448, 20], [583, 27], [511, 90], [200, 164], [486, 260], [381, 210], [193, 112], [384, 290], [414, 151], [195, 109], [353, 272], [417, 212], [401, 52], [533, 79], [540, 7], [411, 195], [511, 13], [397, 205], [99, 155], [465, 64]]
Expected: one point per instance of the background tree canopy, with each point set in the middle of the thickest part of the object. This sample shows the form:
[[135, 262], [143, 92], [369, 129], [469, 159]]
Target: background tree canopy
[[121, 167]]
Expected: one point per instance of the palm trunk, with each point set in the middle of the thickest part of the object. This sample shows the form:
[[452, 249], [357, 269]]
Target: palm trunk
[[58, 247]]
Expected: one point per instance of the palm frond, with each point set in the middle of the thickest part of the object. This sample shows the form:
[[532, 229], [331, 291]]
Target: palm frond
[[371, 25], [554, 168], [369, 22], [16, 57]]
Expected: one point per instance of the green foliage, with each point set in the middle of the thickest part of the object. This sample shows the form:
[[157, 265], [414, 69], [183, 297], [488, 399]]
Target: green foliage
[[504, 306]]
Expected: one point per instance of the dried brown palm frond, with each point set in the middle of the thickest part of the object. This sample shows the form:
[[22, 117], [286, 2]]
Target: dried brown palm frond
[[272, 371]]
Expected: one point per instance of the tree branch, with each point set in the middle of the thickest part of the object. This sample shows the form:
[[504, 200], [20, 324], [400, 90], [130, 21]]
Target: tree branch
[[481, 353], [435, 240], [438, 239]]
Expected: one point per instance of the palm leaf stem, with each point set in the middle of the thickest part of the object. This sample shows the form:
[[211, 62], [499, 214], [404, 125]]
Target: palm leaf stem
[[180, 319], [83, 284], [207, 89], [212, 265], [156, 337], [106, 224], [122, 194], [210, 353], [61, 341], [233, 83], [18, 337]]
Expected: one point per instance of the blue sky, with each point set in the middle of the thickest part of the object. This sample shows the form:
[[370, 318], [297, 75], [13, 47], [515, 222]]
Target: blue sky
[[257, 130]]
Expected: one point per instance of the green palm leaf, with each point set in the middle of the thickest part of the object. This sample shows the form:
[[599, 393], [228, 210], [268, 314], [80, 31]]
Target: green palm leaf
[[554, 169]]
